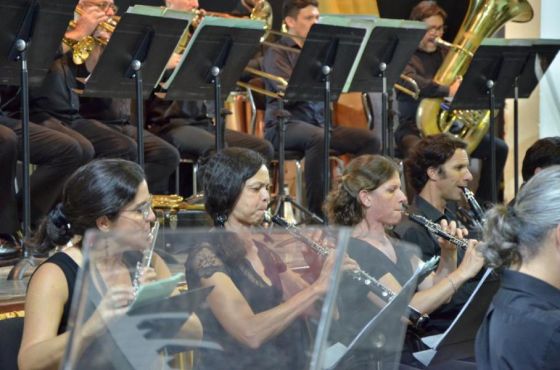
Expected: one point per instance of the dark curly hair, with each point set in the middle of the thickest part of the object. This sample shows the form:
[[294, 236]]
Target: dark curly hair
[[431, 151], [514, 234], [366, 172], [99, 188]]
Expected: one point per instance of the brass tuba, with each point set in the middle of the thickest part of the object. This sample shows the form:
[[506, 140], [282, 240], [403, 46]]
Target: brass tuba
[[483, 18]]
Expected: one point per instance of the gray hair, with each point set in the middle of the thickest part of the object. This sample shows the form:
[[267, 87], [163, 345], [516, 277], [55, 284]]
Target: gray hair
[[514, 233]]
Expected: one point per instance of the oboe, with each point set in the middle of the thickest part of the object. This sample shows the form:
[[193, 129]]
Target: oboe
[[436, 229], [359, 275], [146, 257], [475, 207]]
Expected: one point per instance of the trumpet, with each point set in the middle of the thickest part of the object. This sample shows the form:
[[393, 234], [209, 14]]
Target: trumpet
[[359, 275], [82, 49], [436, 229], [146, 258]]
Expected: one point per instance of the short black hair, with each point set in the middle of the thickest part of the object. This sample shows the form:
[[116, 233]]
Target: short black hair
[[543, 153], [224, 176], [292, 7], [426, 9], [431, 151]]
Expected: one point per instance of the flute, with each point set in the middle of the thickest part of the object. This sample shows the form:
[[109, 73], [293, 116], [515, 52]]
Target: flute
[[146, 257], [359, 275]]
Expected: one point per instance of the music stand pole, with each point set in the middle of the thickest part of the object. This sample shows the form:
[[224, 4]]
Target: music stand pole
[[220, 139], [384, 107], [136, 66], [492, 103], [516, 136], [326, 71]]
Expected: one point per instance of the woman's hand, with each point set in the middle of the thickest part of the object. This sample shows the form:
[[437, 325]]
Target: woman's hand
[[452, 229], [323, 280], [114, 303], [146, 275]]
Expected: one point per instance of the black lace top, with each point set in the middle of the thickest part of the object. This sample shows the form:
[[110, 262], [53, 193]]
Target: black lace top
[[285, 351]]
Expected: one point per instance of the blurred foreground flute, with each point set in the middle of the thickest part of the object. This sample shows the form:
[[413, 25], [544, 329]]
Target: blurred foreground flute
[[417, 318]]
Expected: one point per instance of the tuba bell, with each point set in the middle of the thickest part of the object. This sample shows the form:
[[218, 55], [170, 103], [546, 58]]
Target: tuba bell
[[483, 18]]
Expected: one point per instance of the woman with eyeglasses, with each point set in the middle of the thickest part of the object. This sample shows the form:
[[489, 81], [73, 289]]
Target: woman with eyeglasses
[[109, 195]]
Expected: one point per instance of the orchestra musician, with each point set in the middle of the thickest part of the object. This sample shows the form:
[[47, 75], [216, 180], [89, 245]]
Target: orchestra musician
[[109, 195], [436, 168], [56, 105], [187, 125], [257, 303], [370, 200], [522, 327], [55, 154], [422, 67], [543, 153], [304, 128]]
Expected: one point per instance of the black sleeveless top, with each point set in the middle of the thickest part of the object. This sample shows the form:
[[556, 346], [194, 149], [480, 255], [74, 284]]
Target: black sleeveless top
[[70, 269]]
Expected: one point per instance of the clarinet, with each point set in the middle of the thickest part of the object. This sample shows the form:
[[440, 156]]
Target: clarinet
[[436, 229], [475, 207], [146, 258], [359, 275]]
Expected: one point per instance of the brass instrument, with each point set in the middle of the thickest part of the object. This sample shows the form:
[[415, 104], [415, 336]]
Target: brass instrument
[[414, 92], [359, 275], [82, 49], [483, 18]]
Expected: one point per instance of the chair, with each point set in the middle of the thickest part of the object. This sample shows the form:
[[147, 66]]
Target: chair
[[10, 340]]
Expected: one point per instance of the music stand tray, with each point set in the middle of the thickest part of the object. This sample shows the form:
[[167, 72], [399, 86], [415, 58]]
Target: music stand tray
[[458, 340]]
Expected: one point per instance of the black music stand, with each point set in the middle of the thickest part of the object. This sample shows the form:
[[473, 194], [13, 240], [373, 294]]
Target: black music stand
[[32, 35], [485, 85], [133, 61], [382, 337], [540, 54], [388, 50], [320, 74], [215, 57], [458, 340]]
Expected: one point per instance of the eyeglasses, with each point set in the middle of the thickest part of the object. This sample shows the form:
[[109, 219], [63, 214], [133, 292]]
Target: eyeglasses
[[438, 29], [103, 5], [144, 209]]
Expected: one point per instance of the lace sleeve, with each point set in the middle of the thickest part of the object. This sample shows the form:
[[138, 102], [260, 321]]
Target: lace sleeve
[[202, 262]]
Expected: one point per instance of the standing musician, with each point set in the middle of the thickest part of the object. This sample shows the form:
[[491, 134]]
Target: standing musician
[[56, 105], [187, 124], [369, 199], [109, 195], [436, 168], [422, 67], [55, 154], [522, 326], [304, 128], [257, 303]]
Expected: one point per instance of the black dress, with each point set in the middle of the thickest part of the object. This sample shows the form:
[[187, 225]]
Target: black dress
[[287, 350]]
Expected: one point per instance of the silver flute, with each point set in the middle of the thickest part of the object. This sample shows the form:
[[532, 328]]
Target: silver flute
[[436, 229], [475, 207], [146, 257], [359, 275]]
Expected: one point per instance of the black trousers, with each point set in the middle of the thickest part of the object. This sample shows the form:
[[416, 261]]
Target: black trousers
[[118, 141], [56, 154], [198, 140], [308, 138]]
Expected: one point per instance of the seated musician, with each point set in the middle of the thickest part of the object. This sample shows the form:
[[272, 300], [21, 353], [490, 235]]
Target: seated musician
[[188, 125], [55, 154], [103, 122], [369, 199], [543, 153], [522, 327], [107, 195], [252, 314], [437, 168], [422, 67], [304, 129]]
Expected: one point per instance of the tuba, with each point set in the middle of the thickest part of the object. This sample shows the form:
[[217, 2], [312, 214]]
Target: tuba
[[483, 18]]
